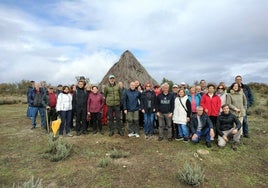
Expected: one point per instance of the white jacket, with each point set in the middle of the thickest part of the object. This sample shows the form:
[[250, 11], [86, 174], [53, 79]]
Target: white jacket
[[64, 102], [179, 113]]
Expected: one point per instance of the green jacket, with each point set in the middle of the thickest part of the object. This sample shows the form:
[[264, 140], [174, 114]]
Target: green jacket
[[112, 95]]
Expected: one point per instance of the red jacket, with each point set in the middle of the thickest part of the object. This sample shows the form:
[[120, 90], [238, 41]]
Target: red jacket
[[213, 105], [95, 102]]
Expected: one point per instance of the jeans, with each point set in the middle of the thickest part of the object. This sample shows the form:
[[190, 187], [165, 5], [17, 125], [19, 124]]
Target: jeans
[[183, 130], [205, 132], [149, 123], [42, 114], [66, 117], [245, 125], [164, 120]]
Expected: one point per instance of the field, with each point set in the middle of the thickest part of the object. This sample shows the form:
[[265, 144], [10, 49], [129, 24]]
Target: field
[[149, 164]]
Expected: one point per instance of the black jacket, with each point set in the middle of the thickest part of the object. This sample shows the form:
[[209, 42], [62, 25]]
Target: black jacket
[[80, 99], [226, 122], [148, 101], [165, 103]]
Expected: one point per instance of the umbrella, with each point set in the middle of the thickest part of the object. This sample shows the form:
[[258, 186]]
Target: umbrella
[[55, 126]]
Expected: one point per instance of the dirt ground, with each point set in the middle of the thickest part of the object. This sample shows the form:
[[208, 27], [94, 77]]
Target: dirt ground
[[150, 163]]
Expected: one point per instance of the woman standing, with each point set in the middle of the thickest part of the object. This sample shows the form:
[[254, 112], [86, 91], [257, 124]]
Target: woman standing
[[222, 94], [64, 107], [181, 114], [237, 101]]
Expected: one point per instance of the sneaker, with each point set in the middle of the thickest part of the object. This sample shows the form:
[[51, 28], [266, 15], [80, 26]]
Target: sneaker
[[137, 135], [160, 138], [179, 138], [185, 140], [131, 135], [208, 144], [146, 136], [70, 135]]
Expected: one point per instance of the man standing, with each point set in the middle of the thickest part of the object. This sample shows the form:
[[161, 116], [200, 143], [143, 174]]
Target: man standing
[[131, 109], [38, 102], [164, 109], [112, 94], [80, 107], [250, 101]]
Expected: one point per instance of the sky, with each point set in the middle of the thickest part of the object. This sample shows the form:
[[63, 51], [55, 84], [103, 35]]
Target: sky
[[180, 40]]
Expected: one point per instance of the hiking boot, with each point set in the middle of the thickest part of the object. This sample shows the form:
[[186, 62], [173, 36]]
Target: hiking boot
[[33, 127], [208, 144], [95, 132], [160, 138], [246, 136], [111, 133], [170, 139]]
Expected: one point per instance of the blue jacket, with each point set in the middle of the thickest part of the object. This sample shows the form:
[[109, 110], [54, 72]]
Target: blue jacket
[[248, 94], [206, 122], [131, 100], [197, 99], [36, 101]]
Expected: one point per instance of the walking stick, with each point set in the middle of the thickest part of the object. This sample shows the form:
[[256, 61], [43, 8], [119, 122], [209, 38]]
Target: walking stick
[[47, 121]]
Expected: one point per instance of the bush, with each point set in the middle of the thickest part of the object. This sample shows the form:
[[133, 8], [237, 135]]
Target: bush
[[104, 162], [31, 184], [115, 154], [191, 174], [58, 149]]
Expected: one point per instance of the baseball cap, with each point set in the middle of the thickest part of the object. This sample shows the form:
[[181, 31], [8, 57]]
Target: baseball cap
[[111, 76]]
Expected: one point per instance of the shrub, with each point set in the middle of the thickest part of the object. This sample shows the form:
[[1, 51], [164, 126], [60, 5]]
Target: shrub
[[191, 174], [58, 149], [30, 184], [104, 162], [115, 154]]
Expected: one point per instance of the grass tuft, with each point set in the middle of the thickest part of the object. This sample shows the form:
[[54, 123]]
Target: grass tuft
[[30, 184]]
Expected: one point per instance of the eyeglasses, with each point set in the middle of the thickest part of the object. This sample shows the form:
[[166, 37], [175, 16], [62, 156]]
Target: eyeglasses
[[220, 88]]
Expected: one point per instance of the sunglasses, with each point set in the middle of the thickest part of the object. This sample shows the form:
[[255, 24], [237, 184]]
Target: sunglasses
[[220, 88]]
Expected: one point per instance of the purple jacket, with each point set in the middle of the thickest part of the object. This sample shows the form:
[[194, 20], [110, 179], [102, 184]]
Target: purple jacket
[[95, 102]]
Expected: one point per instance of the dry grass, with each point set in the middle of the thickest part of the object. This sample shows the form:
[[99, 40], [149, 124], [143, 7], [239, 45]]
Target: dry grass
[[149, 163]]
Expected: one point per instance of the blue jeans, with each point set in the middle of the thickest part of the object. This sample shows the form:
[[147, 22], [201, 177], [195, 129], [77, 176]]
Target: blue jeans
[[205, 132], [35, 113], [149, 123], [66, 117], [183, 130]]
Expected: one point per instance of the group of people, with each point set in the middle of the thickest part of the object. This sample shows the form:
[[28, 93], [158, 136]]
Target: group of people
[[215, 112]]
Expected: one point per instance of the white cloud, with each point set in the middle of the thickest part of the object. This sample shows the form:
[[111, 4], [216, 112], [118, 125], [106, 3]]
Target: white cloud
[[180, 40]]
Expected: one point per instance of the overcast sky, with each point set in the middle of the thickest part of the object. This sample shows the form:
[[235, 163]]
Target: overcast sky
[[181, 40]]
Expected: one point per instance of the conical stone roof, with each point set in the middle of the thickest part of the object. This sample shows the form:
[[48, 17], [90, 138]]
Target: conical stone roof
[[128, 69]]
